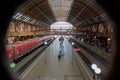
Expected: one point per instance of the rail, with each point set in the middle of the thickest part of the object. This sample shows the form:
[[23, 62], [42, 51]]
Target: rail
[[86, 60], [98, 57], [25, 66]]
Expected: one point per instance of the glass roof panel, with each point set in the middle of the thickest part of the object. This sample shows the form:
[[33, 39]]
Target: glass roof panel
[[60, 8]]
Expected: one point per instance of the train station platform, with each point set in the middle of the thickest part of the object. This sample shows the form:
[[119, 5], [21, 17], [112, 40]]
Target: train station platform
[[48, 67]]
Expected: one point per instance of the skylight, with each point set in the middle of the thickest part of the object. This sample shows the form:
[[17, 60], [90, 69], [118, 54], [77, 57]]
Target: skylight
[[60, 8], [61, 26]]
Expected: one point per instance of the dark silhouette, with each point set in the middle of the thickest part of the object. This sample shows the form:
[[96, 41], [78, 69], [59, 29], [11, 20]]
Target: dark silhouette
[[8, 7], [112, 7]]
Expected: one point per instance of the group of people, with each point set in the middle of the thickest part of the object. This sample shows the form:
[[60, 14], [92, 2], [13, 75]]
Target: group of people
[[61, 49]]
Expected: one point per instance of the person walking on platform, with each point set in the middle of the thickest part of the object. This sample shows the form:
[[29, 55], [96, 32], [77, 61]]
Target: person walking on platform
[[62, 49]]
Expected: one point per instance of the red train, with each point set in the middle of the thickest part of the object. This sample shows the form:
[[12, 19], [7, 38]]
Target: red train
[[17, 50]]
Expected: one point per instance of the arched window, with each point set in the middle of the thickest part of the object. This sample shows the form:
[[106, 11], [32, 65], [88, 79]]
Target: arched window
[[61, 26]]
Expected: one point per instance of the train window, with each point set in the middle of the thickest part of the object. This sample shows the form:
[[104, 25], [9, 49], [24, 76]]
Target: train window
[[23, 49], [27, 47], [20, 49], [16, 51], [32, 45], [10, 53]]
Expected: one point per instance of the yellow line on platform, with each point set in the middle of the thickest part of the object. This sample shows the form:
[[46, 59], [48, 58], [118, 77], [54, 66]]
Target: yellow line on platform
[[84, 67], [24, 74]]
